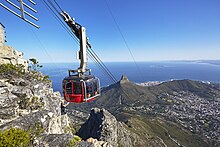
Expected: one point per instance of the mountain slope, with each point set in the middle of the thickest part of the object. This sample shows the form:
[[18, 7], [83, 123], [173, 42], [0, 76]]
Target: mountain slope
[[126, 93], [190, 105]]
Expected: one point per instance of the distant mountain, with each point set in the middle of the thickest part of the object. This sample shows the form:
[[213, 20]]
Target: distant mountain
[[186, 106], [126, 93], [214, 62]]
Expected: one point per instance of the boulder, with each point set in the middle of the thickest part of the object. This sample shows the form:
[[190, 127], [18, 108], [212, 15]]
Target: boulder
[[53, 140], [9, 55], [101, 125]]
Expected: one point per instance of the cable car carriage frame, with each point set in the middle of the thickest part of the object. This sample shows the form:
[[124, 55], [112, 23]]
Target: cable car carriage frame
[[80, 89], [80, 86]]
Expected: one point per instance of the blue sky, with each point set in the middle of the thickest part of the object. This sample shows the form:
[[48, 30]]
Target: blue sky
[[153, 30]]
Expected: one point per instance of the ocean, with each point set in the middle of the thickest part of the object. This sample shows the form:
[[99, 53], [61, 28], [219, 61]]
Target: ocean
[[140, 72]]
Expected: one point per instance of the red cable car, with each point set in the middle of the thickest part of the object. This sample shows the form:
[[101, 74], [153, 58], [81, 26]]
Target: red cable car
[[81, 89]]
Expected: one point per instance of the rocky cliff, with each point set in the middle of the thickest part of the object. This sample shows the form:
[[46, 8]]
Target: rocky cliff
[[9, 55], [103, 126], [28, 102]]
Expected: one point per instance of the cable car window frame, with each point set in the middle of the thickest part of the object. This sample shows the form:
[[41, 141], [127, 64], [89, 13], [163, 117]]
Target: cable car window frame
[[68, 87], [96, 85], [77, 87], [94, 89], [89, 88]]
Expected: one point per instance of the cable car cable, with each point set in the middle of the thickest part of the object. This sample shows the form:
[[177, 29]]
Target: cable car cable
[[114, 80], [98, 65], [50, 2], [113, 77], [58, 19], [102, 67], [58, 5], [125, 42]]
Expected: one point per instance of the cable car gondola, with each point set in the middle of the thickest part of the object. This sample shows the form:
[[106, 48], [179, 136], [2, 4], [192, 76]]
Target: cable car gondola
[[80, 87]]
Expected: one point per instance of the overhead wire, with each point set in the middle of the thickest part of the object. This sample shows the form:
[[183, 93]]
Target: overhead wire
[[98, 65], [58, 5], [103, 67], [59, 20], [41, 44], [112, 77], [123, 37], [54, 7], [100, 61]]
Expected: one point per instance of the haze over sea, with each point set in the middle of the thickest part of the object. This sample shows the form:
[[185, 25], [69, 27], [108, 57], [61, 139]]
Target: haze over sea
[[140, 72]]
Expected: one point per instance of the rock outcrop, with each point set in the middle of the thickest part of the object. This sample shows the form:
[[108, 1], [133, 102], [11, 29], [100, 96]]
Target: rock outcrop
[[124, 79], [104, 127], [54, 140], [28, 102], [9, 55], [101, 125], [2, 35]]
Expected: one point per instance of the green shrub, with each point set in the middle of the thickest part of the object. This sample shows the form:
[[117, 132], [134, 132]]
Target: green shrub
[[34, 67], [74, 141], [14, 137], [34, 103], [34, 64], [70, 129], [19, 71], [46, 78], [12, 69], [36, 130]]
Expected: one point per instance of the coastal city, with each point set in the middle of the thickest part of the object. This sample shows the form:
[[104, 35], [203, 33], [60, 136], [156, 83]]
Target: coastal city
[[196, 114]]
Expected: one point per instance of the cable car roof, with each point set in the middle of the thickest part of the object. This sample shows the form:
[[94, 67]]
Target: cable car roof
[[77, 78]]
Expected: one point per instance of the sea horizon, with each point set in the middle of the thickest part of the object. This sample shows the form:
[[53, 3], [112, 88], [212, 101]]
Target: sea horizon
[[180, 60]]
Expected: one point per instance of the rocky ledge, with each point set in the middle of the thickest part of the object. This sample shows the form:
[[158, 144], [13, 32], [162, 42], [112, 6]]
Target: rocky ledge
[[108, 132], [28, 102]]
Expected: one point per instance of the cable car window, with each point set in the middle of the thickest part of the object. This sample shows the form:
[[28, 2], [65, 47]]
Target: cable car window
[[77, 88], [95, 83], [89, 89], [69, 88]]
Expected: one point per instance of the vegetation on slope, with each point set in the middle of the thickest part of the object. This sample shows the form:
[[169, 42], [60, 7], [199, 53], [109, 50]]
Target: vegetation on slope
[[14, 137], [166, 132], [9, 70]]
